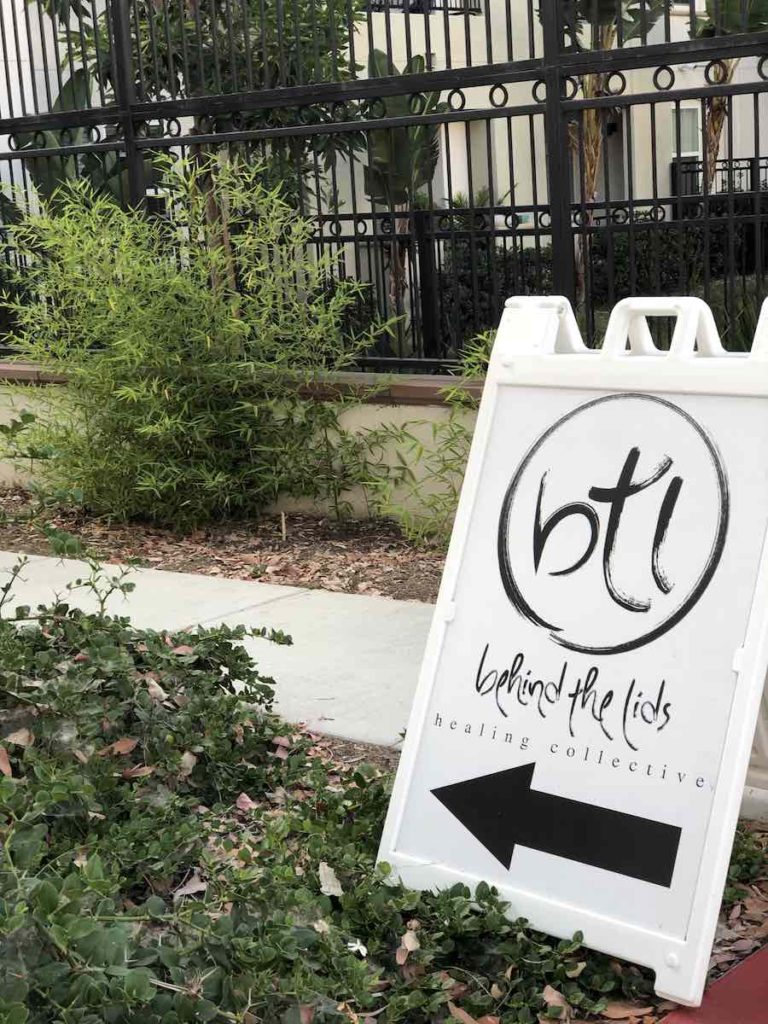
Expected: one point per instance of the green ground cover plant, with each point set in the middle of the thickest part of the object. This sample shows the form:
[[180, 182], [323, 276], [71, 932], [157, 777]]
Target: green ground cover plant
[[172, 851], [187, 344]]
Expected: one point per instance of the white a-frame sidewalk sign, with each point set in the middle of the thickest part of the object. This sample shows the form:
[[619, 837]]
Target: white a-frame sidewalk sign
[[589, 693]]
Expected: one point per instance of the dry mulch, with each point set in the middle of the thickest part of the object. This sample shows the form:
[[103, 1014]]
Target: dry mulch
[[295, 549]]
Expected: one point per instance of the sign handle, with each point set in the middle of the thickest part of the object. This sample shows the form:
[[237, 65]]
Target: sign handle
[[695, 328]]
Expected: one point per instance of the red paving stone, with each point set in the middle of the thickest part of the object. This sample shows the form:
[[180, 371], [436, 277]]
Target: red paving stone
[[739, 997]]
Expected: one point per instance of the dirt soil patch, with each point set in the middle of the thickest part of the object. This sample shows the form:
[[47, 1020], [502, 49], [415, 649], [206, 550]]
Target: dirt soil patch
[[297, 549]]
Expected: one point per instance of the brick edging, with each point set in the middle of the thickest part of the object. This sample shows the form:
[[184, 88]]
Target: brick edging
[[372, 388]]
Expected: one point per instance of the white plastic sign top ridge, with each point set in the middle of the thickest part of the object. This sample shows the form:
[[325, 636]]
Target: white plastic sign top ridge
[[592, 679]]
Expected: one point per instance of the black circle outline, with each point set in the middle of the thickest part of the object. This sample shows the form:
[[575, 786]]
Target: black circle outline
[[663, 68], [513, 591], [622, 83], [503, 91]]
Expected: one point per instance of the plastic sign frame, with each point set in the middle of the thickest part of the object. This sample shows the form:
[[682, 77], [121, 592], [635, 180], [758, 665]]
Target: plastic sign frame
[[538, 345]]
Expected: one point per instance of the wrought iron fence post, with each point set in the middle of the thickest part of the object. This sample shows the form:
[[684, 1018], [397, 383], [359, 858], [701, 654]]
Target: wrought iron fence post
[[430, 315], [558, 153], [125, 96]]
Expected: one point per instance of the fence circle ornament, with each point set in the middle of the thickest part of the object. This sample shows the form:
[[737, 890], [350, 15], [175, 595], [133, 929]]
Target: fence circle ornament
[[539, 91], [715, 72], [664, 78], [607, 562], [762, 68], [417, 103], [13, 142], [375, 108], [572, 87], [499, 96], [615, 83], [456, 99], [94, 133]]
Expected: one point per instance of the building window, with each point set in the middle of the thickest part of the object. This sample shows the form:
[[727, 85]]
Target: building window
[[686, 128]]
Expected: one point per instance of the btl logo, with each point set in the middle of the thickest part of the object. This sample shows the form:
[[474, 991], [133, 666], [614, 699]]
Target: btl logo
[[623, 559]]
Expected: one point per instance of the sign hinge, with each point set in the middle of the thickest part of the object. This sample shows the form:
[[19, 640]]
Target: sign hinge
[[448, 611], [738, 660]]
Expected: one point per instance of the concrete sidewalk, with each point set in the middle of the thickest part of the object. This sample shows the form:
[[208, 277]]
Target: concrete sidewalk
[[352, 669]]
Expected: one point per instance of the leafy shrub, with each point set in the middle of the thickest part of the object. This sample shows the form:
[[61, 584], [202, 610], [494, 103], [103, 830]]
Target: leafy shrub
[[421, 490], [477, 275], [185, 344], [172, 852]]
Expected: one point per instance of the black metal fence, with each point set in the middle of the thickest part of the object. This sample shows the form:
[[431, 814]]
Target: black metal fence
[[450, 153]]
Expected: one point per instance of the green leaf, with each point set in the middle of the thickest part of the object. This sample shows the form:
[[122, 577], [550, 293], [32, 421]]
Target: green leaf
[[46, 897], [14, 1013], [138, 985]]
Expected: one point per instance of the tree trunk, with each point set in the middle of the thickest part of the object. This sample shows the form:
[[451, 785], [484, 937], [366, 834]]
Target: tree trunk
[[717, 112], [216, 217], [588, 145]]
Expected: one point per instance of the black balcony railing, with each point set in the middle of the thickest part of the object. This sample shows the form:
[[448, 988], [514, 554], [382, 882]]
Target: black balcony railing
[[747, 174], [427, 6]]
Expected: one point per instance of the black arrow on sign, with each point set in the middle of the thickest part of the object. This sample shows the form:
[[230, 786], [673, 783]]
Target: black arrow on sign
[[502, 811]]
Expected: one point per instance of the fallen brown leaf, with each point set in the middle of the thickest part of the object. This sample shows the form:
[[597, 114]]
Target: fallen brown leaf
[[5, 764], [329, 883], [625, 1011], [461, 1015], [191, 888], [22, 738], [121, 746], [744, 946], [155, 690], [554, 998], [138, 771]]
